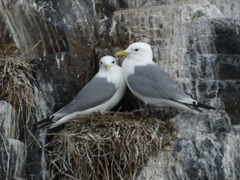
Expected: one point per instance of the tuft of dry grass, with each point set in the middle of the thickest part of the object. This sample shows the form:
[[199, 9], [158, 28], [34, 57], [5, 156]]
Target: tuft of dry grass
[[16, 80], [17, 85], [110, 146], [9, 50]]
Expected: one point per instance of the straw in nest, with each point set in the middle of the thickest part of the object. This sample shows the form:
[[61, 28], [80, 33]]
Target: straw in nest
[[109, 146]]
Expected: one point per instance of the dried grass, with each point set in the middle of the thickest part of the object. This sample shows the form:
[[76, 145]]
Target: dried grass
[[16, 80], [17, 86], [109, 146]]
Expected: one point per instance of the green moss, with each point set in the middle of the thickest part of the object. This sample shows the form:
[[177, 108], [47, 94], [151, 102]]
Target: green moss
[[197, 14]]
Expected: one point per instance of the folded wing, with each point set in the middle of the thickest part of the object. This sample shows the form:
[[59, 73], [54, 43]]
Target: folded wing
[[95, 93], [152, 81]]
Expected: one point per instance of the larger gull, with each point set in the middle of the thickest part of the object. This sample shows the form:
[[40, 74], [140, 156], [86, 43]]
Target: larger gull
[[101, 94], [149, 83]]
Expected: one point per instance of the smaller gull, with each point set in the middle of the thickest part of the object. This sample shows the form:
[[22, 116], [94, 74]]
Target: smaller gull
[[149, 83], [101, 94]]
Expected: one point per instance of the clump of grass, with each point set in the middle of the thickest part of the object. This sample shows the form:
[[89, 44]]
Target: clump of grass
[[109, 146], [17, 84], [16, 81], [9, 50]]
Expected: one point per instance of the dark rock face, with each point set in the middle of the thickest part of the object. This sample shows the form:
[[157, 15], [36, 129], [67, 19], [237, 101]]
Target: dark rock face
[[197, 43], [58, 76], [5, 37], [219, 62], [227, 43]]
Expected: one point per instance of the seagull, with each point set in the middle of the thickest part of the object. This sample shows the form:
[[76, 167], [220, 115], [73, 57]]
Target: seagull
[[149, 83], [101, 94]]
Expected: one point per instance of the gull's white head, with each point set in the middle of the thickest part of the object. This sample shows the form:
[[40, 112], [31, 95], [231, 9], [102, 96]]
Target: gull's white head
[[106, 63], [138, 50]]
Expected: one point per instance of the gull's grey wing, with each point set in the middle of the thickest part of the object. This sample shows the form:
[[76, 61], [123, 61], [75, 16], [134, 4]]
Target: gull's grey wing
[[152, 81], [94, 93]]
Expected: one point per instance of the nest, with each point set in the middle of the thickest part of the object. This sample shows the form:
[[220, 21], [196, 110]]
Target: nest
[[109, 146]]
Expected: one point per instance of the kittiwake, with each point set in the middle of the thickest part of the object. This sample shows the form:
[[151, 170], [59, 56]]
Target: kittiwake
[[149, 83], [101, 94]]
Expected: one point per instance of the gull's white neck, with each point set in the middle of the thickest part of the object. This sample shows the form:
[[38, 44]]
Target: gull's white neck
[[130, 62], [113, 75]]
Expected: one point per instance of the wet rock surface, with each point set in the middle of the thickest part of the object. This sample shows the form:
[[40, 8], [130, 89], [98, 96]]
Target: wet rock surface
[[12, 150], [196, 42]]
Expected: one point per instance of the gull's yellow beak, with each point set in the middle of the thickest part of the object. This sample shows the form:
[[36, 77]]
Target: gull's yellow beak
[[122, 53], [107, 66]]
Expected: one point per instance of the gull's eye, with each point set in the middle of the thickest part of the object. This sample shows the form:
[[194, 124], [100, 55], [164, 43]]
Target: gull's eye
[[101, 62], [136, 49], [113, 62]]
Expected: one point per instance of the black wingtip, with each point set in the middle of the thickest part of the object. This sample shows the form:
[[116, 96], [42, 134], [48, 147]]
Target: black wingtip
[[44, 123], [201, 105]]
